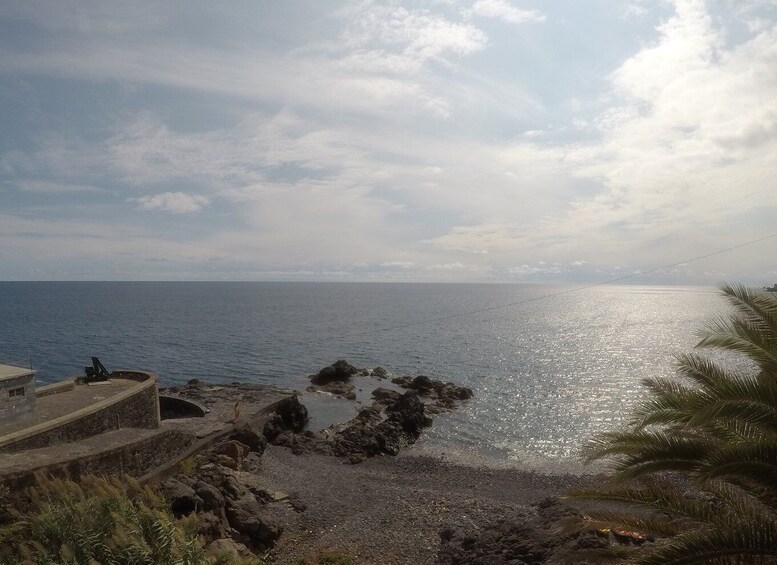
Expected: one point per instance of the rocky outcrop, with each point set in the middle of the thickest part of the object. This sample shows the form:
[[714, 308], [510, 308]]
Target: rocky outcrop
[[340, 370], [249, 437], [390, 423], [181, 497], [334, 379], [385, 395], [393, 421], [441, 396], [231, 514], [254, 521], [290, 417], [338, 388]]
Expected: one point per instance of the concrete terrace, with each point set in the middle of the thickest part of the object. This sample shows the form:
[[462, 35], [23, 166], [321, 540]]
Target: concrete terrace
[[78, 397], [124, 448]]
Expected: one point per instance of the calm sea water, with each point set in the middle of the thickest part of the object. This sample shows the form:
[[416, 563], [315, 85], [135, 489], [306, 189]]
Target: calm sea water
[[547, 374]]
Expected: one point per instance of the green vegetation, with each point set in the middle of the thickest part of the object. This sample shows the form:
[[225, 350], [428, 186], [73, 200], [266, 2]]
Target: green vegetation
[[99, 521], [697, 468], [187, 466]]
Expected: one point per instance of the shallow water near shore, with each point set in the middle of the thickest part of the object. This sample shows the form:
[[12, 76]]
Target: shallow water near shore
[[547, 374]]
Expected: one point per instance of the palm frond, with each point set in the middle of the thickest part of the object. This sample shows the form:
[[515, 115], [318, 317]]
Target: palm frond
[[743, 542], [717, 428]]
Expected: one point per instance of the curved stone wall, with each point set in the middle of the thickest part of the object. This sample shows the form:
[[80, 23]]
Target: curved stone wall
[[137, 407]]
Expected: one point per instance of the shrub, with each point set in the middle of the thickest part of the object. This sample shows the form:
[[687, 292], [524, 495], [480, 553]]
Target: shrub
[[98, 520]]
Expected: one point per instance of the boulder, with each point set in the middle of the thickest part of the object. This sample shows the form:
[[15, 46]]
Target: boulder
[[422, 384], [293, 414], [273, 427], [231, 454], [211, 496], [404, 381], [340, 370], [210, 525], [254, 521], [379, 372], [385, 395], [182, 498], [409, 413], [251, 438], [228, 548]]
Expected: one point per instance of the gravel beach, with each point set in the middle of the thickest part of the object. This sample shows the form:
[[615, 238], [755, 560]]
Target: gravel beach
[[390, 510]]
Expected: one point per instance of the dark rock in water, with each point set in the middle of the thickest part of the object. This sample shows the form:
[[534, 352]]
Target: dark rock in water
[[404, 381], [340, 370], [293, 414], [370, 434], [409, 412], [380, 372], [422, 384], [445, 395], [338, 388], [254, 521], [182, 498], [393, 421], [385, 395]]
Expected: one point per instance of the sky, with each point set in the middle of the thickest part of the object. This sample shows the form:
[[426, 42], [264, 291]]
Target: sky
[[517, 141]]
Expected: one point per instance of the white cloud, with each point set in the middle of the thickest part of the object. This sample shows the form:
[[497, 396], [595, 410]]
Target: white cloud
[[398, 264], [505, 11], [382, 145], [174, 202], [455, 266], [53, 187]]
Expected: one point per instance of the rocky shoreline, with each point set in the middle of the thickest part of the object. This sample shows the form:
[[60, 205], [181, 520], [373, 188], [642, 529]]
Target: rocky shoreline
[[222, 485], [284, 492], [272, 489]]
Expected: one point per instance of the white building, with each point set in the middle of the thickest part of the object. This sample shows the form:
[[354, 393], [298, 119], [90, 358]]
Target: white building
[[17, 392]]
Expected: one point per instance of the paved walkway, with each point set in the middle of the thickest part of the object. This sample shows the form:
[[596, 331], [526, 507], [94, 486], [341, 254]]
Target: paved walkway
[[61, 403]]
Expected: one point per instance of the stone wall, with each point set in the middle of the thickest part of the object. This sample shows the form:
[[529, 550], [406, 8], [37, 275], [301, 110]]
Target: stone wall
[[132, 458], [17, 406], [137, 408]]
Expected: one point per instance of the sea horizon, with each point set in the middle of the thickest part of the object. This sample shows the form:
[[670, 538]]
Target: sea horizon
[[549, 369]]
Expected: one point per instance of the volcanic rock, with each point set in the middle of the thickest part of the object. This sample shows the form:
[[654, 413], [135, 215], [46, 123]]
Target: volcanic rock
[[254, 521], [182, 498], [340, 370]]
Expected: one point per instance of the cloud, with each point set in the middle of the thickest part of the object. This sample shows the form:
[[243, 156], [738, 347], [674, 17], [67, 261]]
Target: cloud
[[400, 140], [44, 186], [505, 11], [398, 264], [173, 202]]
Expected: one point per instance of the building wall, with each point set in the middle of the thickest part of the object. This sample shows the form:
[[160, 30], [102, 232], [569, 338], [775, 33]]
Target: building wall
[[17, 406]]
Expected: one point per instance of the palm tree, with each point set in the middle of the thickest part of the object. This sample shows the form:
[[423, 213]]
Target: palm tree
[[698, 465]]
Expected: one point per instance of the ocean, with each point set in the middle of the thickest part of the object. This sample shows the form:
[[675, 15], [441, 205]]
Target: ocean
[[548, 370]]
